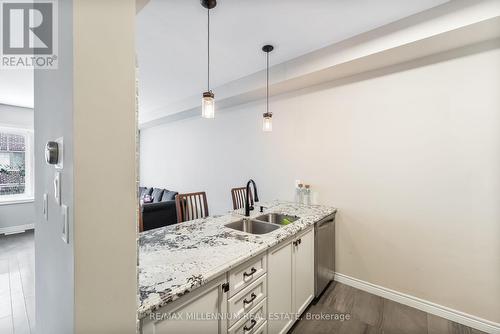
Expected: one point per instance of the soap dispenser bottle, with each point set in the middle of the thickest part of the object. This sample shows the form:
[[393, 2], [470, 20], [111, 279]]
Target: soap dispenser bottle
[[307, 195], [299, 194]]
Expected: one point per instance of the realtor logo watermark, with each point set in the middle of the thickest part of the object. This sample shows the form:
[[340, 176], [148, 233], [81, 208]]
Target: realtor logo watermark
[[28, 34]]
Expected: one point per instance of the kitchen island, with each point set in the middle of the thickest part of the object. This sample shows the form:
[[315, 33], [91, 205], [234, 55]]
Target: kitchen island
[[177, 262]]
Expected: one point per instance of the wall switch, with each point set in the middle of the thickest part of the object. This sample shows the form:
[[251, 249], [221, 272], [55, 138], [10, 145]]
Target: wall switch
[[57, 188], [65, 223], [46, 206]]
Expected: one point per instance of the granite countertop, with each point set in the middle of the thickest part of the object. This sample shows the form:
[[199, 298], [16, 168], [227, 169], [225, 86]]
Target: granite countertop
[[177, 259]]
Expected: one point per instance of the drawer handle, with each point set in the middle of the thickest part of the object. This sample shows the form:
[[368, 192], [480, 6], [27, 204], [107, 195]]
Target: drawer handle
[[253, 295], [252, 271], [246, 329]]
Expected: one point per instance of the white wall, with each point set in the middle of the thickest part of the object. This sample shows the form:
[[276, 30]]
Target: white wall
[[16, 214], [17, 117], [54, 260], [410, 155]]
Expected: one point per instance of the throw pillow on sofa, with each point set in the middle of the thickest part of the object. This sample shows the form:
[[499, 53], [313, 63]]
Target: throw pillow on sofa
[[143, 191], [168, 195], [156, 195]]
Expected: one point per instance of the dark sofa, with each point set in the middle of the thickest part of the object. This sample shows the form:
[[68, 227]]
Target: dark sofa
[[161, 211]]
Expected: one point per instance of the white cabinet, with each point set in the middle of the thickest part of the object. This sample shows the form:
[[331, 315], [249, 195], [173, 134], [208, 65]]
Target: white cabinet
[[303, 282], [247, 304], [279, 288], [192, 313], [290, 280]]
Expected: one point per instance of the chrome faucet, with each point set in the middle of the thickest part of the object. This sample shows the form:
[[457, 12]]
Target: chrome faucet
[[249, 207]]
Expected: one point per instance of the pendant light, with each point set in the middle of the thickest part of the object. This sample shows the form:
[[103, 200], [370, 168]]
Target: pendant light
[[267, 121], [207, 101]]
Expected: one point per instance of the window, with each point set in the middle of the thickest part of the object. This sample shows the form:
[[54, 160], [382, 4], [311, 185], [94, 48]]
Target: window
[[16, 165]]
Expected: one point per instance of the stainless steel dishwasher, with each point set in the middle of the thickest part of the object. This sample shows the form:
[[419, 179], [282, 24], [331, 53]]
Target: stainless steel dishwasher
[[324, 254]]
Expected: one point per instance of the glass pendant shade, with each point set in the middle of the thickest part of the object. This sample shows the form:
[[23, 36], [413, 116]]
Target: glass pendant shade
[[207, 101], [267, 122], [208, 105]]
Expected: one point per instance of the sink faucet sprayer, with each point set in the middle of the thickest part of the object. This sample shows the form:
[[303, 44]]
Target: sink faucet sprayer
[[249, 207]]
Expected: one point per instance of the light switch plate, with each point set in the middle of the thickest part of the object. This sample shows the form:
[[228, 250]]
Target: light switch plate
[[46, 206], [65, 223], [57, 187]]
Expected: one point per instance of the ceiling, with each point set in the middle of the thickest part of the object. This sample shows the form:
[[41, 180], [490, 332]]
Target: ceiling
[[171, 41], [171, 38]]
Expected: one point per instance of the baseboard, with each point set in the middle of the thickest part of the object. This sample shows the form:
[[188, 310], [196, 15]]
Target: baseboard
[[16, 229], [423, 305]]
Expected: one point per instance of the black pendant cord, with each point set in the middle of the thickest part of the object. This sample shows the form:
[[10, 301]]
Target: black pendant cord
[[267, 84], [208, 50]]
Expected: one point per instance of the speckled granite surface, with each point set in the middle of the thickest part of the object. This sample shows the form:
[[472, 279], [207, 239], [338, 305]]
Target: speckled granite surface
[[179, 258]]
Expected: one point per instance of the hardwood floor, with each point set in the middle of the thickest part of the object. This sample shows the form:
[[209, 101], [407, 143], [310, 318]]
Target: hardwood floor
[[370, 314], [17, 283]]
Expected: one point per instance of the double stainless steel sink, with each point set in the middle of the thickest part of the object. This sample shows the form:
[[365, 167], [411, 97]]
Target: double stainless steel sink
[[262, 224]]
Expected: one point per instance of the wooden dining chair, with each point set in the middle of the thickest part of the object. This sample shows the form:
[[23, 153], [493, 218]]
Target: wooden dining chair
[[238, 195], [191, 206]]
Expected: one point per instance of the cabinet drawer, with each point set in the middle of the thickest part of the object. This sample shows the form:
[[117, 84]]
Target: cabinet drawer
[[262, 329], [245, 274], [251, 323], [246, 299]]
